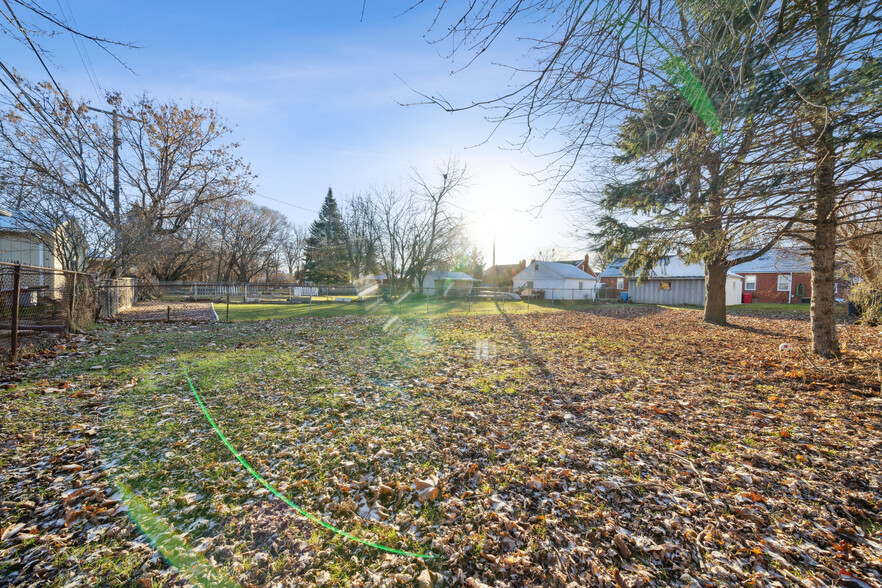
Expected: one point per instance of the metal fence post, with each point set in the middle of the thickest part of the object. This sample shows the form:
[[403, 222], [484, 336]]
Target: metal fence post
[[228, 304], [73, 295], [16, 287]]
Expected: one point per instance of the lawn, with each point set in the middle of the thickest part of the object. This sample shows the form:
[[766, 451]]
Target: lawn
[[622, 445], [412, 306]]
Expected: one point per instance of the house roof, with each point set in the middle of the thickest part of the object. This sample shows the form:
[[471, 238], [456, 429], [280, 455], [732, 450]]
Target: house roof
[[551, 270], [453, 276], [773, 261], [614, 269]]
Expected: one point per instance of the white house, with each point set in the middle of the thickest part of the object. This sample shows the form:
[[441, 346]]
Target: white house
[[446, 283], [673, 281], [558, 281]]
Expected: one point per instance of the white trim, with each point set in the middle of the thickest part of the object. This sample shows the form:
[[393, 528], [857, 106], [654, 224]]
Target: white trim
[[789, 282], [747, 287], [620, 283]]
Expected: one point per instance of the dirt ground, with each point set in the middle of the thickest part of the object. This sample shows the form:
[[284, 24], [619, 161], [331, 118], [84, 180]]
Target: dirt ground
[[160, 310]]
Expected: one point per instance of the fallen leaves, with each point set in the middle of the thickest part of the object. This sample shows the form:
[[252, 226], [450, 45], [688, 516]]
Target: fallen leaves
[[427, 489], [601, 448]]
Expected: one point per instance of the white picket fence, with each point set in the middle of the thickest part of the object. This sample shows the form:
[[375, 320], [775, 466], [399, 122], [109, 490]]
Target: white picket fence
[[222, 290]]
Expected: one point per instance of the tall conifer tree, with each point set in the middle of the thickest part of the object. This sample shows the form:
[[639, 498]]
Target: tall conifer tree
[[327, 256]]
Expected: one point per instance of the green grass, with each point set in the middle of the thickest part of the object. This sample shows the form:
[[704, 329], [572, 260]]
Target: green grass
[[245, 312], [765, 309]]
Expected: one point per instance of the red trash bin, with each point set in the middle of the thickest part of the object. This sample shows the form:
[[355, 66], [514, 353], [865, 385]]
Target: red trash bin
[[747, 297]]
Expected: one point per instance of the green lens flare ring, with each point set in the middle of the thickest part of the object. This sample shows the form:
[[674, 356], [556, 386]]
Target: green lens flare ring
[[287, 500]]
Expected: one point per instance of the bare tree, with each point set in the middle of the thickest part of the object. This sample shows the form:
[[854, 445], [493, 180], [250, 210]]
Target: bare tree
[[179, 161], [362, 236], [292, 245], [396, 219], [249, 239], [441, 226]]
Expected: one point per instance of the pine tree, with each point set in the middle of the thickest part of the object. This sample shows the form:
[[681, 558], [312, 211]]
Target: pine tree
[[327, 254]]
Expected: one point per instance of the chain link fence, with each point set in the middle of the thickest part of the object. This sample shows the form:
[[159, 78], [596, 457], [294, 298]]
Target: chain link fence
[[230, 302], [37, 302]]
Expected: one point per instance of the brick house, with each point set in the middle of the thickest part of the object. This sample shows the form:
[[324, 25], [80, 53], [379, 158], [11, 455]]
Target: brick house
[[781, 276], [613, 277]]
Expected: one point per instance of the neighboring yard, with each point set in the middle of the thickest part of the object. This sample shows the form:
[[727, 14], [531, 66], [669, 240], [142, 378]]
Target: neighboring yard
[[376, 307], [625, 445]]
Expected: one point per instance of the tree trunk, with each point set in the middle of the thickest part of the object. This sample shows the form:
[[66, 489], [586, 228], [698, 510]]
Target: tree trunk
[[715, 293], [825, 341]]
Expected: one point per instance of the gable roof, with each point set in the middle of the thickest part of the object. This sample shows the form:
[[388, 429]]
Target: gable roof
[[773, 261], [553, 270]]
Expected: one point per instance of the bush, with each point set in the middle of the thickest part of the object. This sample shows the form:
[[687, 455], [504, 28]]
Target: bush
[[868, 302]]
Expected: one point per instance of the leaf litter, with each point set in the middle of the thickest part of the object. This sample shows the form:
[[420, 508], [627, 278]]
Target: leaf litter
[[626, 446]]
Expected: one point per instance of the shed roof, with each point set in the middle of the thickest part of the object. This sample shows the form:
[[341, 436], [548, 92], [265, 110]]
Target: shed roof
[[773, 261], [17, 221], [669, 267], [453, 276]]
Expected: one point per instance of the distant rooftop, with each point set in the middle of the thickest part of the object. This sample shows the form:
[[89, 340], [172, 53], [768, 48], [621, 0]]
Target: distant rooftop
[[774, 261]]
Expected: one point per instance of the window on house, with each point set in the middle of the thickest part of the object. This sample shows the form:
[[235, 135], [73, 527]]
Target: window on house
[[620, 283], [580, 285], [750, 283], [783, 283], [529, 284], [536, 267], [664, 285]]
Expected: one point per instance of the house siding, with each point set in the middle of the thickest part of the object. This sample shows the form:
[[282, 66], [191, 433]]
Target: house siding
[[767, 288]]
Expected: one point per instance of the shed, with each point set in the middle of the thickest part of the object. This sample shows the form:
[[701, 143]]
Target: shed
[[673, 281], [446, 283], [558, 281]]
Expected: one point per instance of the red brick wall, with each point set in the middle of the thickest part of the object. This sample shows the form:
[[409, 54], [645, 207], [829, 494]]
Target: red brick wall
[[767, 288], [611, 282]]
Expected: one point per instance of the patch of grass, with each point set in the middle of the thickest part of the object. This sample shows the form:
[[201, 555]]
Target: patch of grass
[[414, 306]]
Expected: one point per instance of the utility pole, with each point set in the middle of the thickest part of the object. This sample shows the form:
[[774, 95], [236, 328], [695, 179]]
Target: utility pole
[[495, 269], [117, 215]]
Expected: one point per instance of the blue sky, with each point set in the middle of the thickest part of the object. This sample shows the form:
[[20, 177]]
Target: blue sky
[[313, 94]]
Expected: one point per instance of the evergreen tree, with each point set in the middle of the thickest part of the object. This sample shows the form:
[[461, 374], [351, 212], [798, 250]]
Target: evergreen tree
[[327, 252], [692, 184]]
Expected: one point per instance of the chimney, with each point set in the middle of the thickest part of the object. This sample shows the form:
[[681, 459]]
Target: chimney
[[587, 268]]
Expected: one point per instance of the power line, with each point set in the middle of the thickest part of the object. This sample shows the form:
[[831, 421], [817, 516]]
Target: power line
[[81, 48], [285, 203]]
